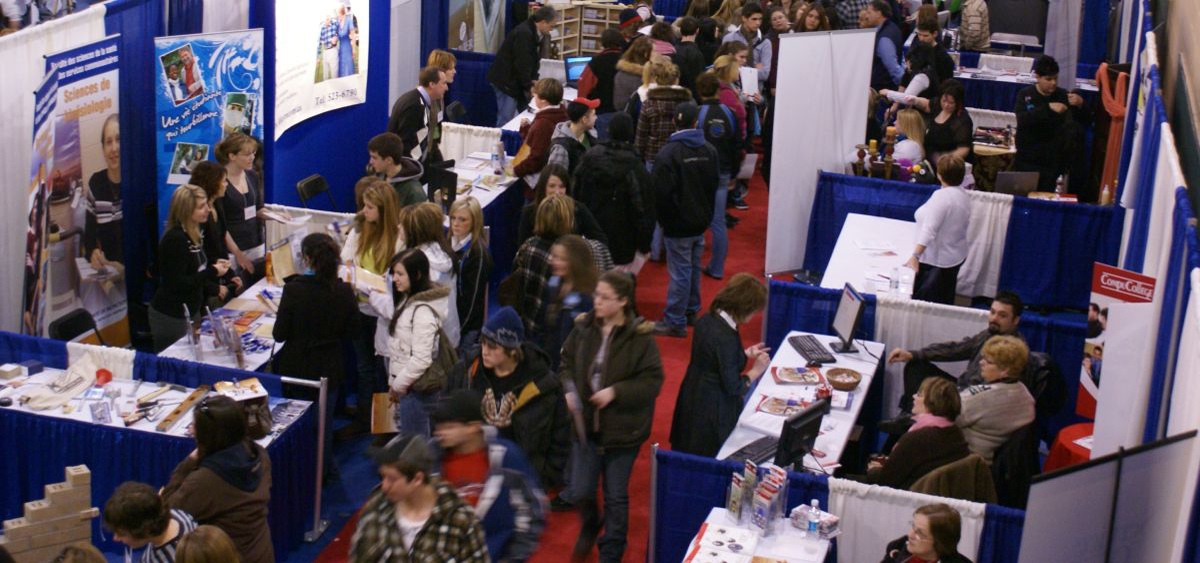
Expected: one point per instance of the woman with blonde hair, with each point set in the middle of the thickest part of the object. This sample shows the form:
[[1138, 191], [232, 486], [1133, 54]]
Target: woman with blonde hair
[[182, 268], [911, 125], [444, 61], [474, 267], [656, 122], [729, 15], [206, 544], [716, 382], [373, 240], [726, 67], [531, 266], [242, 206]]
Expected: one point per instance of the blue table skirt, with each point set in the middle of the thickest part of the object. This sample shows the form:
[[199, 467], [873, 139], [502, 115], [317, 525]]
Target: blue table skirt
[[38, 448], [982, 93]]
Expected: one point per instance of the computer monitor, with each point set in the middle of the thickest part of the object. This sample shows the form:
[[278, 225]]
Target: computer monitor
[[1016, 183], [575, 66], [845, 321], [800, 433]]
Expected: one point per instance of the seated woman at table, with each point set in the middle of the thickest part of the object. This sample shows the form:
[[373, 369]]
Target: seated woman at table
[[226, 480], [933, 538], [210, 176], [941, 246], [992, 411], [951, 130], [182, 268], [317, 315], [710, 397], [555, 180], [474, 268], [931, 442], [568, 293], [373, 240], [524, 288]]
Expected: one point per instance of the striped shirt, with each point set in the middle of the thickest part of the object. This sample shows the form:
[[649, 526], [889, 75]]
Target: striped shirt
[[165, 553]]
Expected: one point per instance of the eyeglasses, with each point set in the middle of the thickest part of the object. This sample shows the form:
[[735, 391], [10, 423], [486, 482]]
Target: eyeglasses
[[918, 533]]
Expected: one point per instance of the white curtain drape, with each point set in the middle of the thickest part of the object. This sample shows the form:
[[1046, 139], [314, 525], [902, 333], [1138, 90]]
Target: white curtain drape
[[1062, 38], [992, 118], [905, 323], [878, 515], [118, 361], [1167, 176], [24, 67], [1006, 63], [458, 140], [986, 233], [1185, 393], [226, 15]]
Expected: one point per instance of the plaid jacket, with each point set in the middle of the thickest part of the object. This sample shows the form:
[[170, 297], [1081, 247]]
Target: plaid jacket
[[656, 122], [451, 535], [531, 271], [328, 34]]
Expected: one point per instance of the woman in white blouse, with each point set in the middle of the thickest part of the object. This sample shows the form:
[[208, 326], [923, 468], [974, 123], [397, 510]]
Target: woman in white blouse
[[942, 235]]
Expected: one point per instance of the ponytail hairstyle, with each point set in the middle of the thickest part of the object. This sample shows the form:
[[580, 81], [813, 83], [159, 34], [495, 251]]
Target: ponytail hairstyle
[[322, 254], [416, 265]]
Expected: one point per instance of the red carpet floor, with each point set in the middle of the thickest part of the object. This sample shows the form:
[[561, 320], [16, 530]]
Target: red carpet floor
[[747, 248]]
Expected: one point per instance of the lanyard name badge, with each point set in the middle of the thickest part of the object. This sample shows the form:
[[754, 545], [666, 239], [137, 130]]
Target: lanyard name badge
[[250, 212]]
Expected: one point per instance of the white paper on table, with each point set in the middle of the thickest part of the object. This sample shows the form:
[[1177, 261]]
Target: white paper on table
[[749, 80], [747, 170], [87, 272], [874, 244], [1085, 442]]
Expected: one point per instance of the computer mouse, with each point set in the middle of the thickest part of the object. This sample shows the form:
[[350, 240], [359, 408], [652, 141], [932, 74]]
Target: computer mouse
[[814, 364], [5, 402]]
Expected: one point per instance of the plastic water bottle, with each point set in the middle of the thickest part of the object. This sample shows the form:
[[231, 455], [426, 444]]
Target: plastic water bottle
[[814, 519], [894, 282], [498, 158], [1060, 185]]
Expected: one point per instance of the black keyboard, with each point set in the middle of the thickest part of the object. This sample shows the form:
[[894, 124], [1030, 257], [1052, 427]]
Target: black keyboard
[[758, 451], [811, 348]]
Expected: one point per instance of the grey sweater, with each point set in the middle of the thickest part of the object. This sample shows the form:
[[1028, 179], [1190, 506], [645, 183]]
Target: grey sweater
[[991, 413]]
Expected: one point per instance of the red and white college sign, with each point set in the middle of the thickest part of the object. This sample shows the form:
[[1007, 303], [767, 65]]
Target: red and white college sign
[[1122, 285]]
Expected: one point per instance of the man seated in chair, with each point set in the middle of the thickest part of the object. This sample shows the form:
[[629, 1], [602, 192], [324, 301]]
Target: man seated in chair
[[1003, 318], [993, 410]]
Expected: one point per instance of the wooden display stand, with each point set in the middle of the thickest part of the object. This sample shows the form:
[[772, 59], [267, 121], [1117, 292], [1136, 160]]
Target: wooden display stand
[[580, 24], [60, 519]]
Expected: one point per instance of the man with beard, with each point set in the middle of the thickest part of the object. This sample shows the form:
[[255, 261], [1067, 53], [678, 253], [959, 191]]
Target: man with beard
[[1003, 318]]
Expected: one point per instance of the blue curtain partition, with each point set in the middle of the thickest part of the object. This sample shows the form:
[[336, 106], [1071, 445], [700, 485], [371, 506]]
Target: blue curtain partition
[[43, 446], [185, 17], [1048, 254], [1051, 247], [1147, 174], [339, 136], [1062, 340], [982, 93], [138, 22], [472, 88], [689, 486]]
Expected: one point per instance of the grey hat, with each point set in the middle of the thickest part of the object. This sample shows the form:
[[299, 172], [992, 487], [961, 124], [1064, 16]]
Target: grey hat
[[404, 449]]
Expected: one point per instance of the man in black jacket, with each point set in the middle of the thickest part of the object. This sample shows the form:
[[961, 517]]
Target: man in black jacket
[[685, 178], [516, 66], [687, 55], [1045, 125], [415, 120], [611, 181]]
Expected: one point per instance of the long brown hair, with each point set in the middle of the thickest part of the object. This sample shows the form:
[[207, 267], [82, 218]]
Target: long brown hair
[[581, 268], [422, 224], [743, 296], [378, 237], [823, 25], [639, 51], [206, 544]]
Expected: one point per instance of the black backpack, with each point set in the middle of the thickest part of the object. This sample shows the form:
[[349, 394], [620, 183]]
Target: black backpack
[[720, 130]]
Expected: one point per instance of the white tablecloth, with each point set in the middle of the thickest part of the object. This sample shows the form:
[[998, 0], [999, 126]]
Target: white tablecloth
[[784, 544], [867, 252], [836, 426]]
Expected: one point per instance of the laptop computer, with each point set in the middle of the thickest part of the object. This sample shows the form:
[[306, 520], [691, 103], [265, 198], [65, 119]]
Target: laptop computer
[[574, 67], [1016, 183]]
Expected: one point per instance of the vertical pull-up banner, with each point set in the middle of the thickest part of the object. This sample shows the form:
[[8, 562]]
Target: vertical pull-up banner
[[209, 86], [74, 258], [320, 58]]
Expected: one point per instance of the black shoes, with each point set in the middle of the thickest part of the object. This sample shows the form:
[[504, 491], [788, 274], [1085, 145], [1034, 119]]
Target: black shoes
[[559, 504]]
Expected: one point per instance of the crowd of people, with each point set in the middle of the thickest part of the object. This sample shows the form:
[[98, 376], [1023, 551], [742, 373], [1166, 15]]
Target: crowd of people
[[535, 406]]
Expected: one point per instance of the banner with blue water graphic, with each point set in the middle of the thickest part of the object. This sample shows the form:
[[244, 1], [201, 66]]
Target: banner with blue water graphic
[[208, 87]]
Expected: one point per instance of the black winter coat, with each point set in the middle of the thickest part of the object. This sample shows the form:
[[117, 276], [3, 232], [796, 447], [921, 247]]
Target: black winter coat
[[314, 321], [710, 397], [612, 182], [632, 367], [474, 271], [897, 552], [516, 66], [540, 424], [685, 179]]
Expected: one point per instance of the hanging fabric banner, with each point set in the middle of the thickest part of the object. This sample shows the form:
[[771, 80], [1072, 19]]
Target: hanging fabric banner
[[209, 86], [320, 58], [77, 267]]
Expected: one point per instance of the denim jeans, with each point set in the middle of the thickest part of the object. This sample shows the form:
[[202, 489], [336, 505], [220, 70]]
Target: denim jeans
[[683, 265], [412, 413], [656, 242], [371, 378], [720, 238], [506, 107], [615, 464]]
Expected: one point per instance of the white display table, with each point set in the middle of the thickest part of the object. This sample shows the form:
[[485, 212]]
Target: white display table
[[867, 251], [785, 544]]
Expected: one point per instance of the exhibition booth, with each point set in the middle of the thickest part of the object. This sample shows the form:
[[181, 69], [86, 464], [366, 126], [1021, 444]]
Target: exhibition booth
[[122, 58]]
